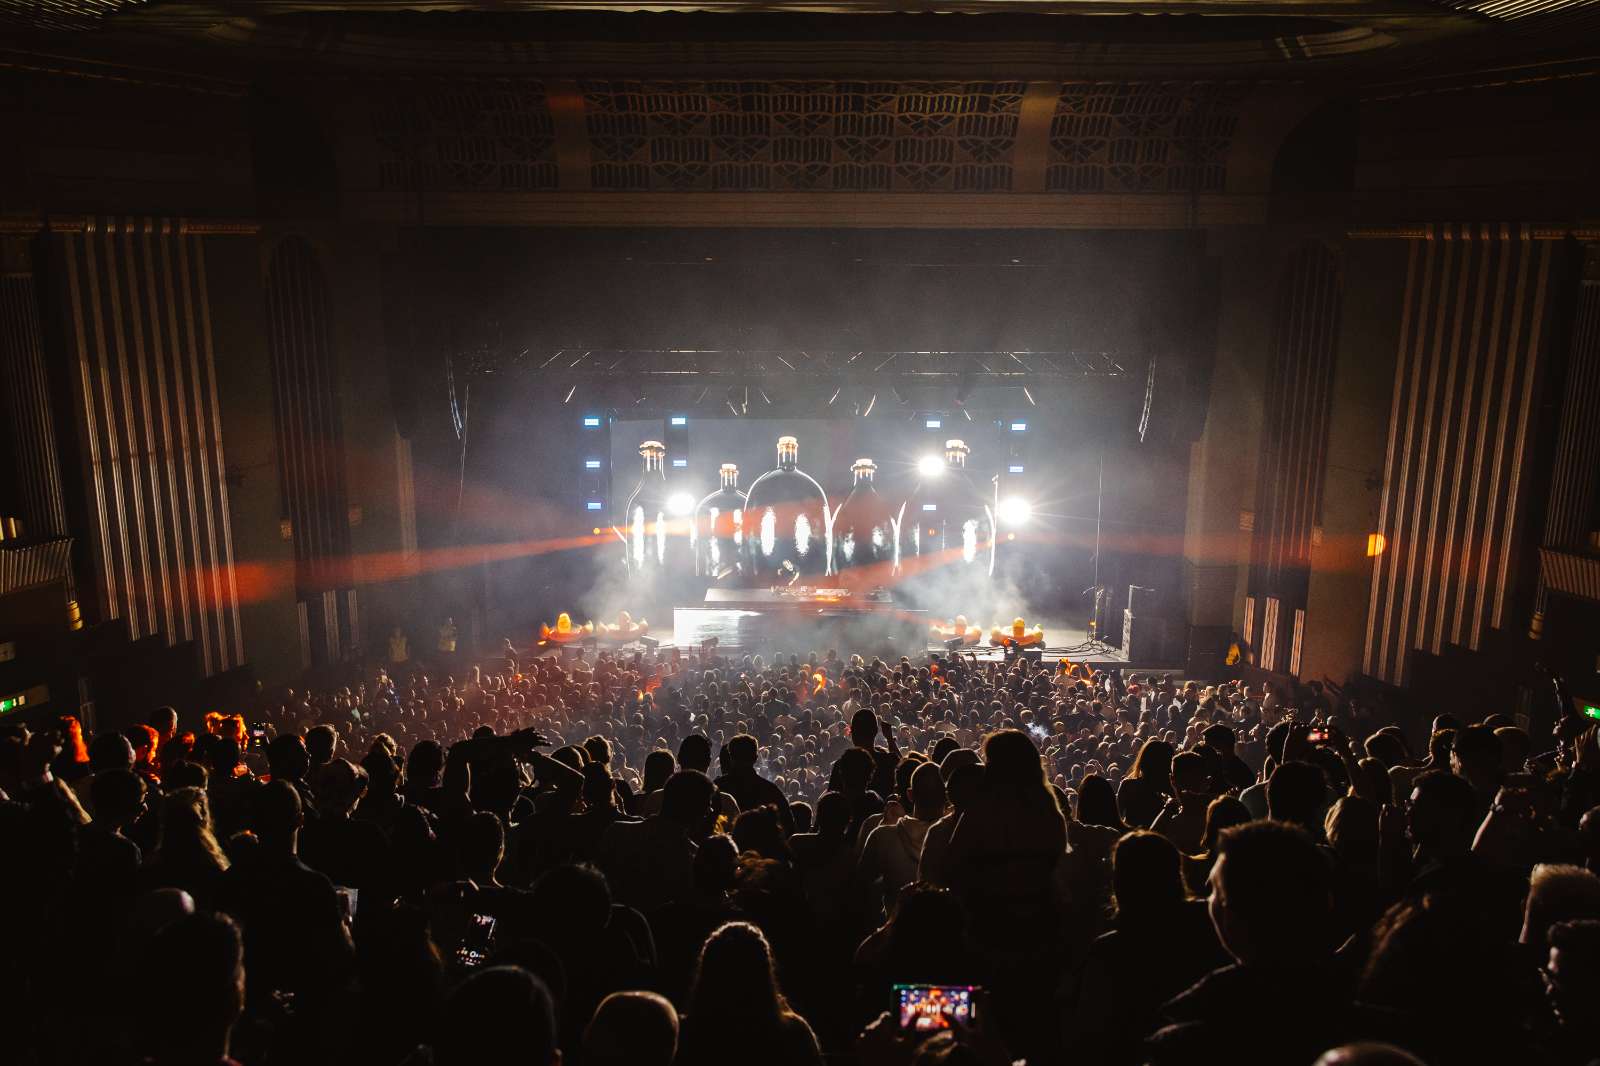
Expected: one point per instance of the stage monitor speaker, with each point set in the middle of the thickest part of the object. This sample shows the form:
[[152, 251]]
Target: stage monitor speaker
[[1144, 638], [1141, 600]]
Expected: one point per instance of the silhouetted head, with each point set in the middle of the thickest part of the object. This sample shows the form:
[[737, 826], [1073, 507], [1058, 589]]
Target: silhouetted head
[[499, 1016]]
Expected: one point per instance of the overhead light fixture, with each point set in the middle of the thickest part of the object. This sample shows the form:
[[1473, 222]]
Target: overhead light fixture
[[870, 405], [570, 394], [930, 466], [1029, 395], [680, 504], [836, 391]]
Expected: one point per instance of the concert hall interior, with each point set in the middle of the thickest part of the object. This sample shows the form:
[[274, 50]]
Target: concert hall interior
[[453, 376]]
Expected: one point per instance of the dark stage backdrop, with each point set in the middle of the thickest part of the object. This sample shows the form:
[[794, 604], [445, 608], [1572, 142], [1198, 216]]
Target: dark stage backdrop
[[831, 289]]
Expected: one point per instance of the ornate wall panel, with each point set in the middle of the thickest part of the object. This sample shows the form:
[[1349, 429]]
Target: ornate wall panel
[[138, 340], [1470, 356], [310, 435], [1141, 137], [1294, 450], [805, 136], [457, 150], [490, 136], [1570, 515], [25, 403]]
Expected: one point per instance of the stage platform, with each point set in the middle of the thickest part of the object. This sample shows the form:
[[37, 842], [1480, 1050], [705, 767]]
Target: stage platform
[[749, 632], [745, 632], [767, 621], [799, 620]]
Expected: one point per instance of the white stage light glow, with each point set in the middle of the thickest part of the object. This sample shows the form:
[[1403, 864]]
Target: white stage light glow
[[680, 503], [930, 466], [1014, 510]]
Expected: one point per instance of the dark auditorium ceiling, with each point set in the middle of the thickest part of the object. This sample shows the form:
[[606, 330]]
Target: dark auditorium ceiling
[[1055, 113], [1368, 39]]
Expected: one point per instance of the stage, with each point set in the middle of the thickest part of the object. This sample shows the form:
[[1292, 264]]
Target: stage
[[746, 632]]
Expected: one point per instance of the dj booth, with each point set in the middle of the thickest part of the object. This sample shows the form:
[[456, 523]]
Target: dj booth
[[800, 619]]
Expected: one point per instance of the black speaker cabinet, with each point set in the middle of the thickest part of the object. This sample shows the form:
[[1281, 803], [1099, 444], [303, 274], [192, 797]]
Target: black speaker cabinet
[[1141, 600], [1144, 638]]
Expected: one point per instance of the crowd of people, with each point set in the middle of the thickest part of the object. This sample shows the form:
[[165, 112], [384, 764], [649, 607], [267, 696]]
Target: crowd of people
[[664, 857]]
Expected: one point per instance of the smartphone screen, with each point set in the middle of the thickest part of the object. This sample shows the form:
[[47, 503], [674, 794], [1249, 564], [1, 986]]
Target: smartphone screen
[[477, 943], [931, 1008]]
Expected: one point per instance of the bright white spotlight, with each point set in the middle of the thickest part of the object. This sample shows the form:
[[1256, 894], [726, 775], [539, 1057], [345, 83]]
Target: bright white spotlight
[[1014, 510], [930, 466], [680, 503]]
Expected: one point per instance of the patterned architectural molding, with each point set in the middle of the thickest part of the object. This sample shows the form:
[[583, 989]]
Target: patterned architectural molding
[[1466, 374], [63, 14], [27, 225], [448, 138], [137, 330], [36, 563], [1298, 399], [1142, 138], [802, 136], [29, 421], [1570, 574], [1452, 231], [1572, 512], [310, 436], [490, 135], [1294, 452]]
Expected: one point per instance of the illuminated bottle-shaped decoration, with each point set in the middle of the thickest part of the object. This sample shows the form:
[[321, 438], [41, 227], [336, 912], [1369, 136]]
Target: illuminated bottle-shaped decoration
[[718, 531], [644, 523], [864, 530], [785, 523], [949, 517]]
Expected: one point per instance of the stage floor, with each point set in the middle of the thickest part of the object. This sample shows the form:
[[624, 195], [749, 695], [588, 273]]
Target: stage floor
[[695, 626]]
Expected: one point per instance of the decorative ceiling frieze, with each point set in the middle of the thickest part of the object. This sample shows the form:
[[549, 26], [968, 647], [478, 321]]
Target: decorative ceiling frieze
[[466, 135], [768, 136], [1142, 138], [836, 136]]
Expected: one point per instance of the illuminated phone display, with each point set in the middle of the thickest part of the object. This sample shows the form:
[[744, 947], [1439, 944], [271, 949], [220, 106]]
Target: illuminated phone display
[[931, 1008]]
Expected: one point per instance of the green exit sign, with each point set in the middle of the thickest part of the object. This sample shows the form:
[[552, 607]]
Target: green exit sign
[[1590, 710], [33, 697]]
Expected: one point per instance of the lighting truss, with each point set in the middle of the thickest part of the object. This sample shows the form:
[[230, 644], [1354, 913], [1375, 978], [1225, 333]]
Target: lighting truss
[[968, 370]]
